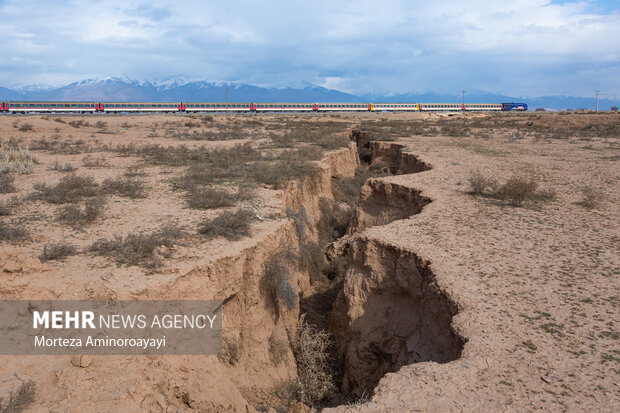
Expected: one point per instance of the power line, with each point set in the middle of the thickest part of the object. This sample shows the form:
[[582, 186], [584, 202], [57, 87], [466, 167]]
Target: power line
[[597, 93]]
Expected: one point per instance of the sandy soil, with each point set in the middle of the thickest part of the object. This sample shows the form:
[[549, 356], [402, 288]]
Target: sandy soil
[[535, 287]]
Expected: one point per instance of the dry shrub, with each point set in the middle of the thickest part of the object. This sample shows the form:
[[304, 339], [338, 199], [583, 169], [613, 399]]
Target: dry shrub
[[275, 284], [291, 164], [230, 225], [71, 188], [10, 231], [333, 141], [591, 198], [124, 186], [6, 183], [74, 216], [16, 159], [312, 260], [90, 161], [78, 123], [212, 197], [25, 127], [518, 189], [231, 350], [58, 251], [314, 368], [347, 190], [67, 167], [20, 400], [478, 182], [143, 248], [278, 348]]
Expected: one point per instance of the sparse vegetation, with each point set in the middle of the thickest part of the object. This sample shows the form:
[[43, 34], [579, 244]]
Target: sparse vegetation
[[146, 249], [16, 402], [16, 159], [6, 183], [213, 197], [517, 189], [71, 188], [591, 198], [230, 225], [67, 167], [57, 251], [76, 217], [10, 231], [25, 127], [124, 186], [276, 283], [90, 161]]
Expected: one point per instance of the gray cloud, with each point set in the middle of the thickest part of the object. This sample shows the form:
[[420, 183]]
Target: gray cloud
[[530, 47]]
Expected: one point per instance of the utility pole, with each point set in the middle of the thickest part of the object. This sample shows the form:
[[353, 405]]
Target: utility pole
[[597, 92], [463, 107], [226, 100]]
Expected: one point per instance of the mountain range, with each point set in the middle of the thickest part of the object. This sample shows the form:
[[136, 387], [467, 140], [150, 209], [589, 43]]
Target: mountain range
[[180, 89]]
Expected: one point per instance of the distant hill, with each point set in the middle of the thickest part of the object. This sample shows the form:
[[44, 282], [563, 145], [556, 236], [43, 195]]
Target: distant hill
[[178, 89]]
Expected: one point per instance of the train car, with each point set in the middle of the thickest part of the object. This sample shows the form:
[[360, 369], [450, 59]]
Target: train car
[[395, 107], [50, 107], [144, 107], [216, 107], [283, 107], [514, 106], [483, 107], [343, 107], [440, 107]]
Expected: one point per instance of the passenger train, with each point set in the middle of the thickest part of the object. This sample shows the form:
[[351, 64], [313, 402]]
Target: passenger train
[[190, 107]]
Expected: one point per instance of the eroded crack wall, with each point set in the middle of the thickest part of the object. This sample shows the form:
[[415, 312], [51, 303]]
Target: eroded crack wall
[[390, 313], [382, 202]]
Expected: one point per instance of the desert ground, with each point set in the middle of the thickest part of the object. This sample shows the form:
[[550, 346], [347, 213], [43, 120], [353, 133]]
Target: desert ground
[[367, 261]]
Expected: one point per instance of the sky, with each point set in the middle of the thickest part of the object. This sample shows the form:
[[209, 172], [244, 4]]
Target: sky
[[522, 48]]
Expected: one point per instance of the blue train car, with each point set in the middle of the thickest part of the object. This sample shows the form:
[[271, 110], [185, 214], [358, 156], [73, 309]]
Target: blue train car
[[514, 106]]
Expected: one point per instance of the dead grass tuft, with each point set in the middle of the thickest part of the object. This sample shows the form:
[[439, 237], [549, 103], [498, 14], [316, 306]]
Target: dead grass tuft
[[230, 225], [16, 159]]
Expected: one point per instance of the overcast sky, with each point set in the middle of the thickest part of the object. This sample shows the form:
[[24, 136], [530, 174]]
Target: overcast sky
[[521, 48]]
